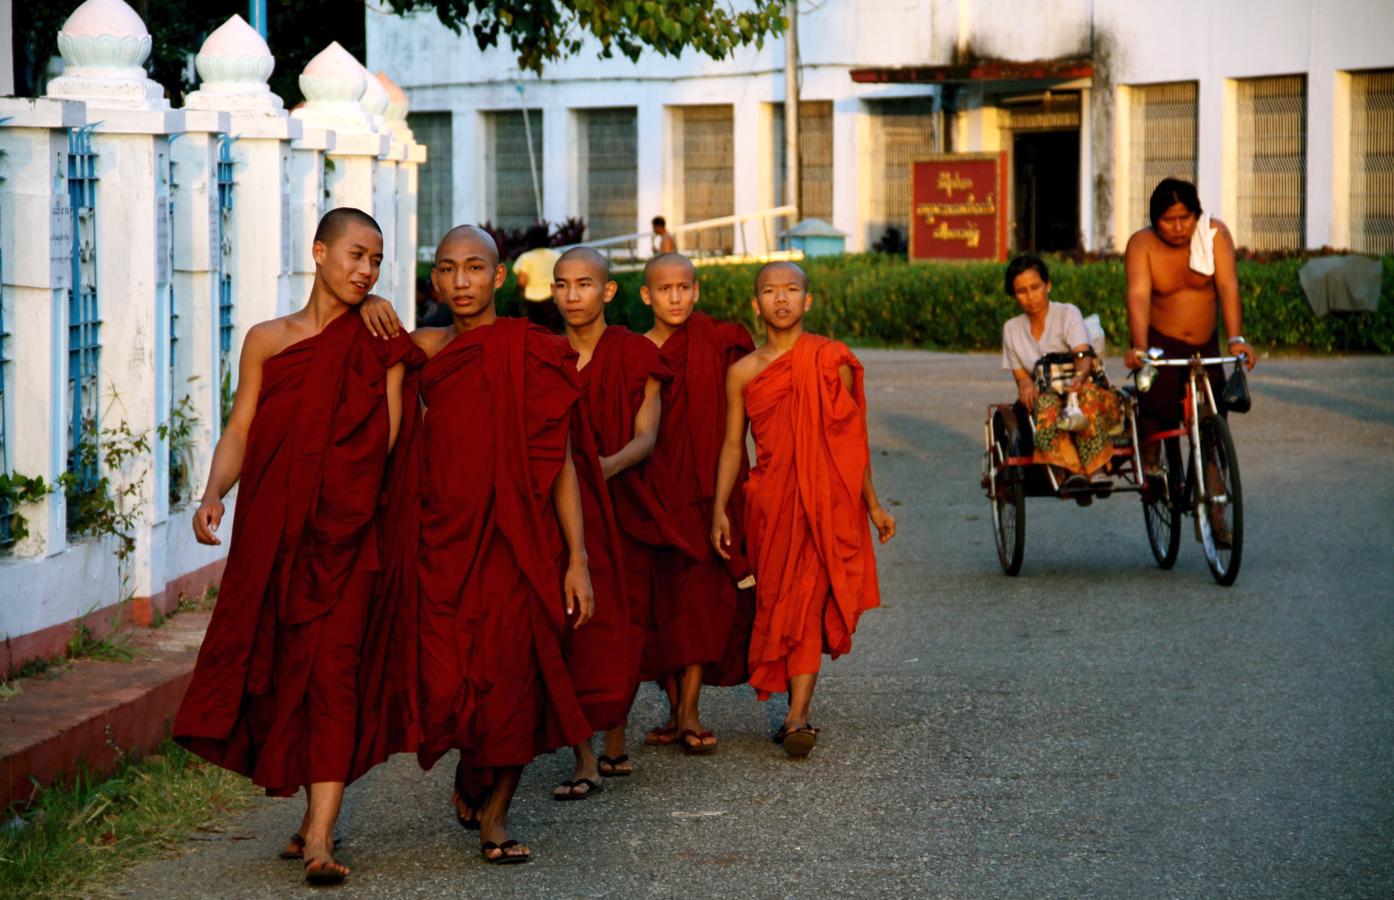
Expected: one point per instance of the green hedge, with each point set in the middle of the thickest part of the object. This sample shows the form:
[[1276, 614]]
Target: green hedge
[[873, 299]]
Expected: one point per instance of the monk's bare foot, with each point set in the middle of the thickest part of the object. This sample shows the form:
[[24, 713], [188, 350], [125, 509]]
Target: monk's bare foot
[[584, 782], [614, 762], [497, 848], [695, 738], [320, 867], [467, 816], [294, 848], [663, 735]]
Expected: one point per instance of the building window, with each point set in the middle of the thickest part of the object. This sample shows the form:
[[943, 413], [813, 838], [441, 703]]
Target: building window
[[609, 169], [1271, 182], [84, 322], [1372, 161], [706, 140], [902, 131], [435, 197], [815, 159], [515, 176], [227, 362], [1161, 141]]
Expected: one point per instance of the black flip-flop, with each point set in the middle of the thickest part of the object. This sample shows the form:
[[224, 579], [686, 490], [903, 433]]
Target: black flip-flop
[[467, 824], [613, 762], [504, 858], [800, 741], [325, 877], [698, 748], [592, 787]]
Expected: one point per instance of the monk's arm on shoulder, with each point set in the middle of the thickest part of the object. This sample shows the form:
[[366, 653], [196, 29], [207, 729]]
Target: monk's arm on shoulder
[[640, 447], [732, 448], [1227, 286], [566, 498], [379, 315], [1139, 293], [393, 387]]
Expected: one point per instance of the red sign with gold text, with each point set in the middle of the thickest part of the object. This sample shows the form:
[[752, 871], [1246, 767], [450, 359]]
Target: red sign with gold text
[[958, 207]]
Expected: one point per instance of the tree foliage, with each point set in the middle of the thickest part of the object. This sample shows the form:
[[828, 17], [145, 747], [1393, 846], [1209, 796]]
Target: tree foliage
[[543, 31]]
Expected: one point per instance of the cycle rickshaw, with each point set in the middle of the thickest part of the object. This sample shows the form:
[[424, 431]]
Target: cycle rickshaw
[[1204, 484]]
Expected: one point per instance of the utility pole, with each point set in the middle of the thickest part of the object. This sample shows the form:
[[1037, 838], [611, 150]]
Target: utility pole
[[791, 107]]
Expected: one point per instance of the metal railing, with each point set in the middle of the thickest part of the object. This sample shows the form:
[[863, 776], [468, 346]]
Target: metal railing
[[84, 313], [226, 317]]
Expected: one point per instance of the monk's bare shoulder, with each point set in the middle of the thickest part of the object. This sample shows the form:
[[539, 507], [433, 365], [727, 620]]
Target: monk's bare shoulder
[[743, 370], [265, 339], [432, 338]]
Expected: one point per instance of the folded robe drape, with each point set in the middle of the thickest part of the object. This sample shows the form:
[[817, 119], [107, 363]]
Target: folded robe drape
[[274, 693], [479, 554], [699, 615], [806, 519]]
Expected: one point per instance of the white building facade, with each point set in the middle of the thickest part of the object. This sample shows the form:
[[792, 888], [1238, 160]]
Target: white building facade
[[1279, 110]]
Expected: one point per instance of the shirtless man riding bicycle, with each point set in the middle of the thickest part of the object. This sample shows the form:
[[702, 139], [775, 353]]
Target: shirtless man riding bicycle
[[1176, 270]]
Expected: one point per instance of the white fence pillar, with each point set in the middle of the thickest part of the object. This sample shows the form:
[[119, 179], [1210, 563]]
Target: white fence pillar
[[36, 241], [412, 155], [103, 46], [307, 204]]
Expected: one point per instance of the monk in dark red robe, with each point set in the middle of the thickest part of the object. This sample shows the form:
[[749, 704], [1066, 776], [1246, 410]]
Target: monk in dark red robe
[[701, 603], [620, 374], [808, 500], [275, 692], [488, 559]]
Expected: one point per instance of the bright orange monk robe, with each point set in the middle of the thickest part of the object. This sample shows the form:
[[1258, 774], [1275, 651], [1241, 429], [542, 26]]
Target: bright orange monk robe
[[699, 615], [807, 529], [275, 692], [478, 556]]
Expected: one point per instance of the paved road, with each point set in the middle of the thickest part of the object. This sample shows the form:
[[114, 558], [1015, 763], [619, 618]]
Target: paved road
[[1095, 727]]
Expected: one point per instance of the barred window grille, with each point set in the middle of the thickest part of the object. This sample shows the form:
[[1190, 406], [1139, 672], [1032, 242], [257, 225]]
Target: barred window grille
[[173, 306], [513, 201], [902, 131], [610, 166], [1272, 163], [7, 536], [708, 174], [435, 191], [1372, 162], [815, 159], [227, 363], [84, 319], [1161, 141]]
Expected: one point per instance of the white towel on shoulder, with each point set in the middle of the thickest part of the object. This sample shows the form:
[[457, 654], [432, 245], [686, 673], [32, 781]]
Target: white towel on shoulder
[[1203, 246]]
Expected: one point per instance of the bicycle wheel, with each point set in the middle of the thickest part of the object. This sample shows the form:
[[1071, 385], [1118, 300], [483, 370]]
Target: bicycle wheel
[[1222, 514], [1161, 506], [1009, 520]]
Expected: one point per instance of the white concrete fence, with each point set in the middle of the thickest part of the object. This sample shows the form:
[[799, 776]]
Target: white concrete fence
[[138, 243]]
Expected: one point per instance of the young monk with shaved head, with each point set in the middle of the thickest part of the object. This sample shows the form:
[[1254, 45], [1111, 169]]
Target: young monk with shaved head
[[807, 501], [275, 692], [488, 556], [620, 374], [701, 604]]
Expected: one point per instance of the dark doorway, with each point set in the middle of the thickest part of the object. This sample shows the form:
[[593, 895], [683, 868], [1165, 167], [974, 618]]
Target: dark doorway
[[1045, 173]]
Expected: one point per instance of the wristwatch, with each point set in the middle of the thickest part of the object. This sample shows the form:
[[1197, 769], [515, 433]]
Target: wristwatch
[[1238, 339]]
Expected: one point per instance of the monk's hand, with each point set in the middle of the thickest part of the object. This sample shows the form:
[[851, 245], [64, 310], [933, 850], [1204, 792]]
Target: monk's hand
[[207, 518], [607, 467], [380, 317], [580, 596], [1242, 348], [721, 534], [884, 522]]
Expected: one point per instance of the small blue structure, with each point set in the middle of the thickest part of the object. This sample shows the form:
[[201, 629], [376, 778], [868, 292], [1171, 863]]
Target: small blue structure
[[815, 238]]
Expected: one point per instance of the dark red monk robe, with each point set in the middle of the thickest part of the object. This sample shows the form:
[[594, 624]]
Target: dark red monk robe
[[601, 655], [612, 386], [699, 615], [807, 529], [274, 693], [493, 680]]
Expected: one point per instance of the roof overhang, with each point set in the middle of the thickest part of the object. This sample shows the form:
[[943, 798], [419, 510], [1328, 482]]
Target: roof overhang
[[981, 71]]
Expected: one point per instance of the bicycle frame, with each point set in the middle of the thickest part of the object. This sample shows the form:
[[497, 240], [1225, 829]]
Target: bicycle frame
[[1190, 421]]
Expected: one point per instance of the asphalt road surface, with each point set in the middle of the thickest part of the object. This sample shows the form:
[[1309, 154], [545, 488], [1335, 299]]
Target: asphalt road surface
[[1094, 727]]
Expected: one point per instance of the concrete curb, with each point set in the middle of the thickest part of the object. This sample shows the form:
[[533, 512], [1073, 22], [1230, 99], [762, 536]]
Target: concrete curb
[[93, 712]]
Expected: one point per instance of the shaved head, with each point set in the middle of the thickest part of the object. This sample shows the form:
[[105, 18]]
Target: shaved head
[[667, 259], [332, 226], [468, 238], [773, 269], [590, 257]]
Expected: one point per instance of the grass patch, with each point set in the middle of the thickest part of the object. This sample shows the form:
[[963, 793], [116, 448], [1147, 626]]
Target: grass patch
[[71, 837], [115, 647]]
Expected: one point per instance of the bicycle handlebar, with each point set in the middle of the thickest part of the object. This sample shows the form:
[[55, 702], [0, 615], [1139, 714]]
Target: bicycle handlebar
[[1204, 361]]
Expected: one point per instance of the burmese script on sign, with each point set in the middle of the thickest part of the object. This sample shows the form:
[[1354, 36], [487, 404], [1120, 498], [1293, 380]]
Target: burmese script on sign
[[955, 212]]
